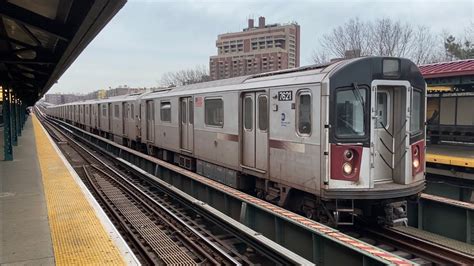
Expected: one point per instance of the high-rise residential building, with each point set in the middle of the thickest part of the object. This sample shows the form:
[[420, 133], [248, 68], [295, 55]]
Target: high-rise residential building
[[256, 49]]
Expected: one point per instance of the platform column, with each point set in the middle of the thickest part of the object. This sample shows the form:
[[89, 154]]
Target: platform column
[[18, 116], [23, 113], [7, 136], [13, 116]]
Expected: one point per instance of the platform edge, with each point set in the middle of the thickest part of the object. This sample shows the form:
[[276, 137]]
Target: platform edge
[[127, 254]]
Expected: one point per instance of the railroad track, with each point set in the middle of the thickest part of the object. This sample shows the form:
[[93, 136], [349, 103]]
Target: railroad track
[[160, 227], [416, 249]]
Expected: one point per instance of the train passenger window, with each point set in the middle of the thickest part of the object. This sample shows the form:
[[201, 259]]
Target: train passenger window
[[116, 111], [191, 111], [416, 116], [262, 112], [165, 111], [248, 113], [214, 112], [304, 113]]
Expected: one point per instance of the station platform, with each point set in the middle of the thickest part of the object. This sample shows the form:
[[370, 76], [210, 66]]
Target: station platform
[[460, 155], [47, 216]]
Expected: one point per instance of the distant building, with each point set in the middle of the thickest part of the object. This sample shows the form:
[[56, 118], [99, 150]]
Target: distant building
[[58, 98], [123, 91], [54, 98], [256, 49]]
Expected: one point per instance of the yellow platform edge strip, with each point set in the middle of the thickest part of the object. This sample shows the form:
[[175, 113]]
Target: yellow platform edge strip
[[450, 160], [77, 234]]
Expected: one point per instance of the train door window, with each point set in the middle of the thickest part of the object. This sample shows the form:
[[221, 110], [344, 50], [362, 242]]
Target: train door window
[[263, 112], [191, 111], [165, 111], [132, 111], [248, 113], [116, 111], [304, 113], [183, 112], [416, 106], [382, 109], [104, 110], [214, 112]]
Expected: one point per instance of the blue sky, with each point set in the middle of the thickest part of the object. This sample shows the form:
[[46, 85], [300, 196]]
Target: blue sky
[[148, 38]]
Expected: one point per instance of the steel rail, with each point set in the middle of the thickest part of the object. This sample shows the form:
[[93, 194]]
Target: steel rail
[[420, 247], [142, 250], [163, 208]]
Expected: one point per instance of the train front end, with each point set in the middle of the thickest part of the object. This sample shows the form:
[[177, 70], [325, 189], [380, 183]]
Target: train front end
[[376, 138]]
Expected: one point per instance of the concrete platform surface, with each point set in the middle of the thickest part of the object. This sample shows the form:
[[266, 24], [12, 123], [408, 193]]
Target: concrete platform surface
[[47, 216], [24, 229]]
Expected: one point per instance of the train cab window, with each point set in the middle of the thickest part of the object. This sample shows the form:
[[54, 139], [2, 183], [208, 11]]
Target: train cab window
[[350, 118], [165, 111], [214, 112], [116, 111], [248, 113], [304, 113], [417, 114], [263, 112]]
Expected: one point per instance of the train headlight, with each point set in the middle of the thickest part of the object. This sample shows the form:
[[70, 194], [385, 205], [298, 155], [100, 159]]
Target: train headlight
[[347, 168], [416, 163], [348, 154]]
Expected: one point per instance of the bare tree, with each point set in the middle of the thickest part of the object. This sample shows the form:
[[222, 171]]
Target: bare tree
[[184, 77], [352, 36], [425, 47], [390, 38], [383, 37], [321, 57]]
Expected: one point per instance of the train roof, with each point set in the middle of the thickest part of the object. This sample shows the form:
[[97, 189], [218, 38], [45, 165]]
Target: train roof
[[302, 75]]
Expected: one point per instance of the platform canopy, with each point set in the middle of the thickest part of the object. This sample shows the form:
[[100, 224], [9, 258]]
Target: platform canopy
[[40, 39], [457, 75]]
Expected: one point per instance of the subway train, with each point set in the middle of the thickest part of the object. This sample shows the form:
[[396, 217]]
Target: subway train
[[333, 142]]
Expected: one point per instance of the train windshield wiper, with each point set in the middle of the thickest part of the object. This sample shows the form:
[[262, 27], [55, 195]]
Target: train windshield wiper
[[358, 96]]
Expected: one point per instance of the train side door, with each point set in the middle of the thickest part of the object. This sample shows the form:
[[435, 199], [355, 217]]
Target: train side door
[[110, 117], [186, 127], [90, 116], [255, 130], [125, 111], [97, 116], [384, 141], [150, 113]]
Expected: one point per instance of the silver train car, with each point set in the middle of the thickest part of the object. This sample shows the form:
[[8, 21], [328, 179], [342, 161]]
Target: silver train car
[[332, 141]]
